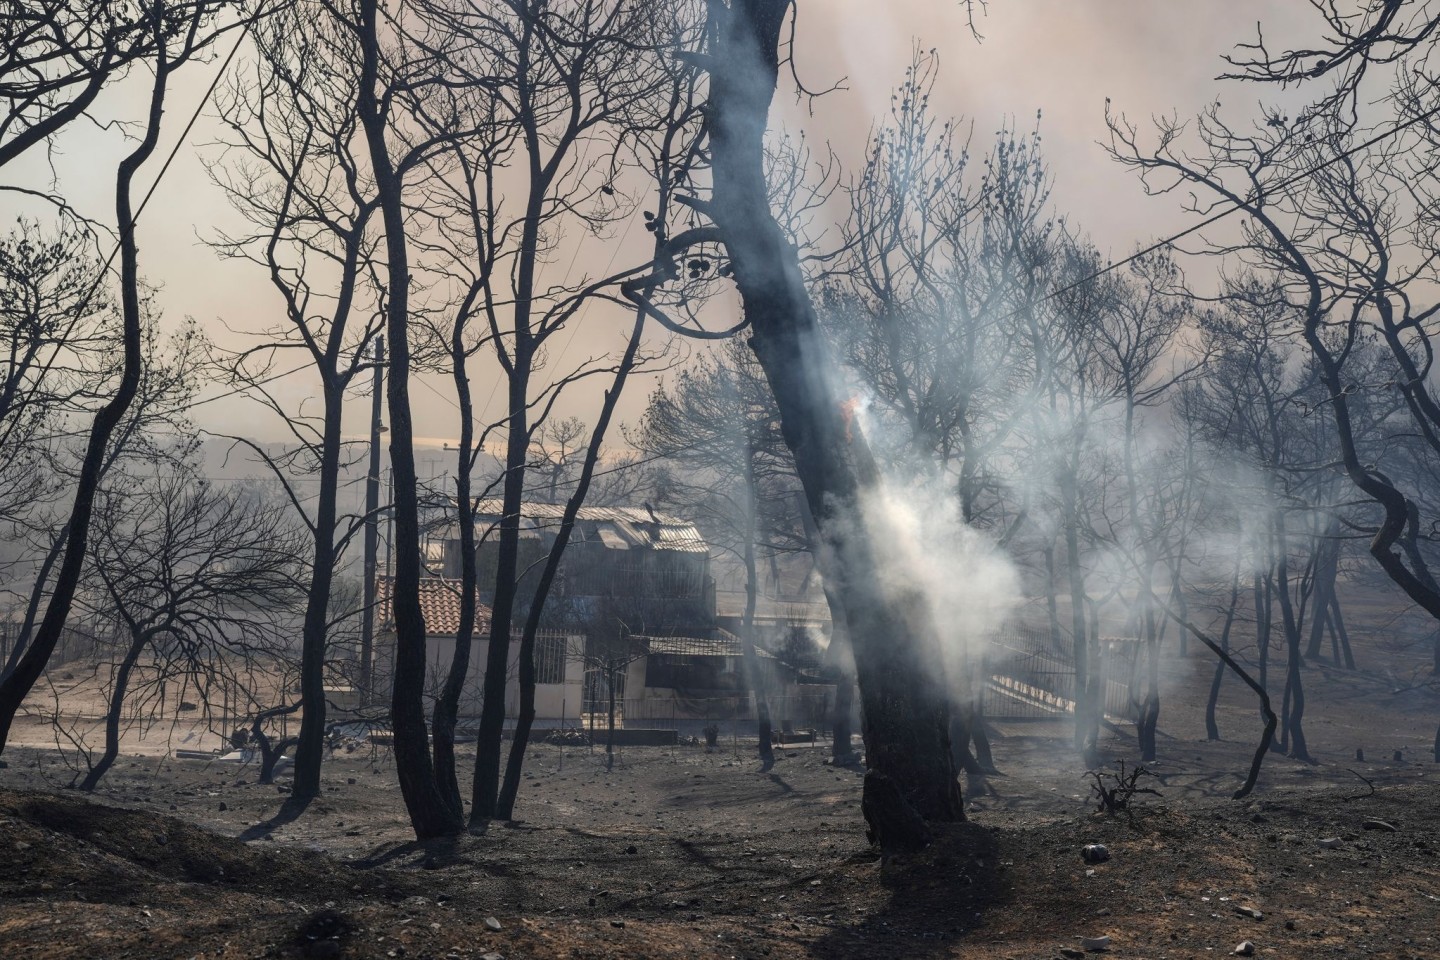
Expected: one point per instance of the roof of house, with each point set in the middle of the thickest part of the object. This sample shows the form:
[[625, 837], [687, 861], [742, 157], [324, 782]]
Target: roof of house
[[731, 603], [726, 645], [618, 528], [439, 604]]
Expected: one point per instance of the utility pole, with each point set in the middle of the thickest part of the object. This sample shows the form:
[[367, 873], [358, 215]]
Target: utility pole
[[372, 523]]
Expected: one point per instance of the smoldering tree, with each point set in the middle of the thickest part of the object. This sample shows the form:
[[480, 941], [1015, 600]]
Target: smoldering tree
[[204, 581], [936, 277], [912, 777]]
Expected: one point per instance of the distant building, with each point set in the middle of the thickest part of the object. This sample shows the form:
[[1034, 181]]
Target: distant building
[[559, 657], [632, 614], [627, 565]]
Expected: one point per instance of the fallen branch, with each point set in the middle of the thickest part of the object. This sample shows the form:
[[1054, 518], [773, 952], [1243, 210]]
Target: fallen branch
[[1270, 719], [1361, 796]]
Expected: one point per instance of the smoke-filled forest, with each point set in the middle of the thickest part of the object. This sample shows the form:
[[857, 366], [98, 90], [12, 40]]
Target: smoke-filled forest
[[719, 478]]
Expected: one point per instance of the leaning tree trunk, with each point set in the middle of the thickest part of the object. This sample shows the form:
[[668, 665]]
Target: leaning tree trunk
[[37, 593], [310, 747], [1212, 729], [514, 764], [447, 705], [430, 815], [18, 682], [114, 710], [911, 776]]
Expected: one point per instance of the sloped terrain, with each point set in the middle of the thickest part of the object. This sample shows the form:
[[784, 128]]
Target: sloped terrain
[[674, 855]]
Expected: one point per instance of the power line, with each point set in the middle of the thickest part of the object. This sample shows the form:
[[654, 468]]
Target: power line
[[1236, 206], [1159, 244]]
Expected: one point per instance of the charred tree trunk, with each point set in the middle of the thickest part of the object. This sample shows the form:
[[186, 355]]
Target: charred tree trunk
[[1266, 711], [310, 747], [755, 681], [37, 593], [912, 777], [1149, 720], [1292, 713], [1323, 589], [960, 736], [115, 708], [447, 705], [1086, 725], [1212, 729], [1182, 607], [430, 815], [371, 568], [841, 750], [1262, 627], [515, 763], [1052, 610], [270, 750], [485, 789], [610, 721], [18, 682]]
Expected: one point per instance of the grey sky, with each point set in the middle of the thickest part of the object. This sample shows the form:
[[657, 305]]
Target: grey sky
[[1063, 57]]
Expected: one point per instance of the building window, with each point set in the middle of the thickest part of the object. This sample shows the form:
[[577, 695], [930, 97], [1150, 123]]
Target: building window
[[550, 649]]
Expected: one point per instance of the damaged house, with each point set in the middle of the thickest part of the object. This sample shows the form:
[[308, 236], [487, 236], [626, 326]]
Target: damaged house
[[559, 657], [625, 568]]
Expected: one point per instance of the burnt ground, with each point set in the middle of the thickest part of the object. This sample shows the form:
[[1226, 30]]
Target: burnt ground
[[680, 853]]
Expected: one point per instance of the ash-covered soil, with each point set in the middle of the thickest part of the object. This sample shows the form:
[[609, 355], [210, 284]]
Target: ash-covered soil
[[679, 853]]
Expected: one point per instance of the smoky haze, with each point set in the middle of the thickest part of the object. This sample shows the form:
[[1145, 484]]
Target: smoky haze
[[1060, 58]]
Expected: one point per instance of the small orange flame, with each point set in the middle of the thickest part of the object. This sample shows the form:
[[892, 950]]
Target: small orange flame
[[847, 414]]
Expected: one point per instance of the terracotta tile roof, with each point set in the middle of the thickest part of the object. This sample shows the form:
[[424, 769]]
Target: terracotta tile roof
[[439, 603]]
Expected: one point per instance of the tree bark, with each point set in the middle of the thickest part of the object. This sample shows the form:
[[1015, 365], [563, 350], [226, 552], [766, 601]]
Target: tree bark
[[19, 681], [37, 593], [447, 705], [906, 714], [430, 815], [485, 788], [514, 764], [1212, 729], [1292, 713], [310, 747], [1086, 724], [756, 682], [113, 711]]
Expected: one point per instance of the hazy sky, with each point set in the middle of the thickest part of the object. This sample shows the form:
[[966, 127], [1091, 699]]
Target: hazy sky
[[1063, 57]]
